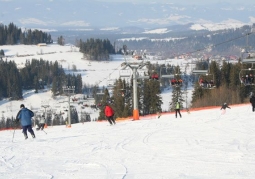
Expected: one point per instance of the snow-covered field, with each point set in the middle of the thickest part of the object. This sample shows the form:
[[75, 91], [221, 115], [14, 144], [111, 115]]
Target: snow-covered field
[[201, 145]]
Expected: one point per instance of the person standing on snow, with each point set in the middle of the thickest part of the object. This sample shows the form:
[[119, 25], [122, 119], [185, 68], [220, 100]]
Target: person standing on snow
[[42, 123], [177, 109], [109, 113], [252, 101], [25, 117]]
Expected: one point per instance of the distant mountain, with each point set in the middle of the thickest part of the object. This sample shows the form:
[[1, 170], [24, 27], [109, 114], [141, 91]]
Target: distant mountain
[[109, 16]]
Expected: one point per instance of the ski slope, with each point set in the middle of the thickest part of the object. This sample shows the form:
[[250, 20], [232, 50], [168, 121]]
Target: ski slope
[[201, 145]]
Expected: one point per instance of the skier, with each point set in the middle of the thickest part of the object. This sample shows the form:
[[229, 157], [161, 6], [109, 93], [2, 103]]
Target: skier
[[109, 113], [24, 116], [224, 106], [252, 101], [177, 109], [41, 123], [158, 114]]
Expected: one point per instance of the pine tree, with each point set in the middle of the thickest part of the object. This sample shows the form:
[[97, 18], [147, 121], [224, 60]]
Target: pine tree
[[177, 95], [105, 99]]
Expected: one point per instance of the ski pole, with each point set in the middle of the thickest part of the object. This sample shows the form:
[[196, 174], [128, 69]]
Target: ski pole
[[13, 134], [15, 127], [44, 132]]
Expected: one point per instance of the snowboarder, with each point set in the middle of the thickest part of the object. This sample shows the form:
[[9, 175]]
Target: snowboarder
[[224, 106], [109, 113], [252, 101], [24, 116], [177, 109]]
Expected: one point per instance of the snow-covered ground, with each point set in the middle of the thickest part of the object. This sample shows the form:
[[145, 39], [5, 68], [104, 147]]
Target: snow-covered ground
[[204, 144]]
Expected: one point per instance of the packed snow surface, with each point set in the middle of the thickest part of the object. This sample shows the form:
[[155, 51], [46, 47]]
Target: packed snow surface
[[204, 144]]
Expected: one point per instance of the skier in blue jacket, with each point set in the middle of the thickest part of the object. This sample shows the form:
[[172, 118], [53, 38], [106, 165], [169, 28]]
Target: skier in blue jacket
[[24, 116]]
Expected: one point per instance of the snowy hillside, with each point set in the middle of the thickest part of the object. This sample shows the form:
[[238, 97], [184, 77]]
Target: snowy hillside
[[101, 73]]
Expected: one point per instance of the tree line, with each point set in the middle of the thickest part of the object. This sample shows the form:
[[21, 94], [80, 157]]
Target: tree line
[[36, 74], [11, 35], [96, 49]]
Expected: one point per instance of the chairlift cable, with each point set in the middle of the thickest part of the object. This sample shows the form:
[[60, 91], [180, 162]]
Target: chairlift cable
[[227, 41]]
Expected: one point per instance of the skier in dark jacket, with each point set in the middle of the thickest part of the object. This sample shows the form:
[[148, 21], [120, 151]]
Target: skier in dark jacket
[[224, 106], [24, 116], [109, 113], [252, 101]]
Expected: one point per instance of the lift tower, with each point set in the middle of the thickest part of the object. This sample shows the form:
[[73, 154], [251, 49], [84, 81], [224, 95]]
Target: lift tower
[[134, 66]]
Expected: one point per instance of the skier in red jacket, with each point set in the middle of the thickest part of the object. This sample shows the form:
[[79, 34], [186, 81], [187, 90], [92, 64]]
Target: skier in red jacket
[[109, 113]]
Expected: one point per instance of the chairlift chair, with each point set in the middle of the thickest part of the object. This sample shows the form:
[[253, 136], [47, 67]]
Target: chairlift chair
[[175, 79], [125, 73], [154, 76], [246, 76], [206, 81], [110, 83]]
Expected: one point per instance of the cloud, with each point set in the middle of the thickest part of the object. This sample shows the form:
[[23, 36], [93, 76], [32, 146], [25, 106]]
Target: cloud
[[17, 8], [163, 21], [75, 23], [33, 21], [252, 19]]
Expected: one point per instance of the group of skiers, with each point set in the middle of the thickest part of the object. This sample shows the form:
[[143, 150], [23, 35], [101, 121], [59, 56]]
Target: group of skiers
[[25, 116]]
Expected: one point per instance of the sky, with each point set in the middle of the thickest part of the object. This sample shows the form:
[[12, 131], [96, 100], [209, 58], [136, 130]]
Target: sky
[[181, 1], [203, 144], [79, 14]]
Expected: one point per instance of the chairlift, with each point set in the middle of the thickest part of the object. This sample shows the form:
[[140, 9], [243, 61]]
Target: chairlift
[[206, 81], [125, 73], [100, 92], [110, 83], [175, 79], [154, 76], [141, 74], [246, 76]]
